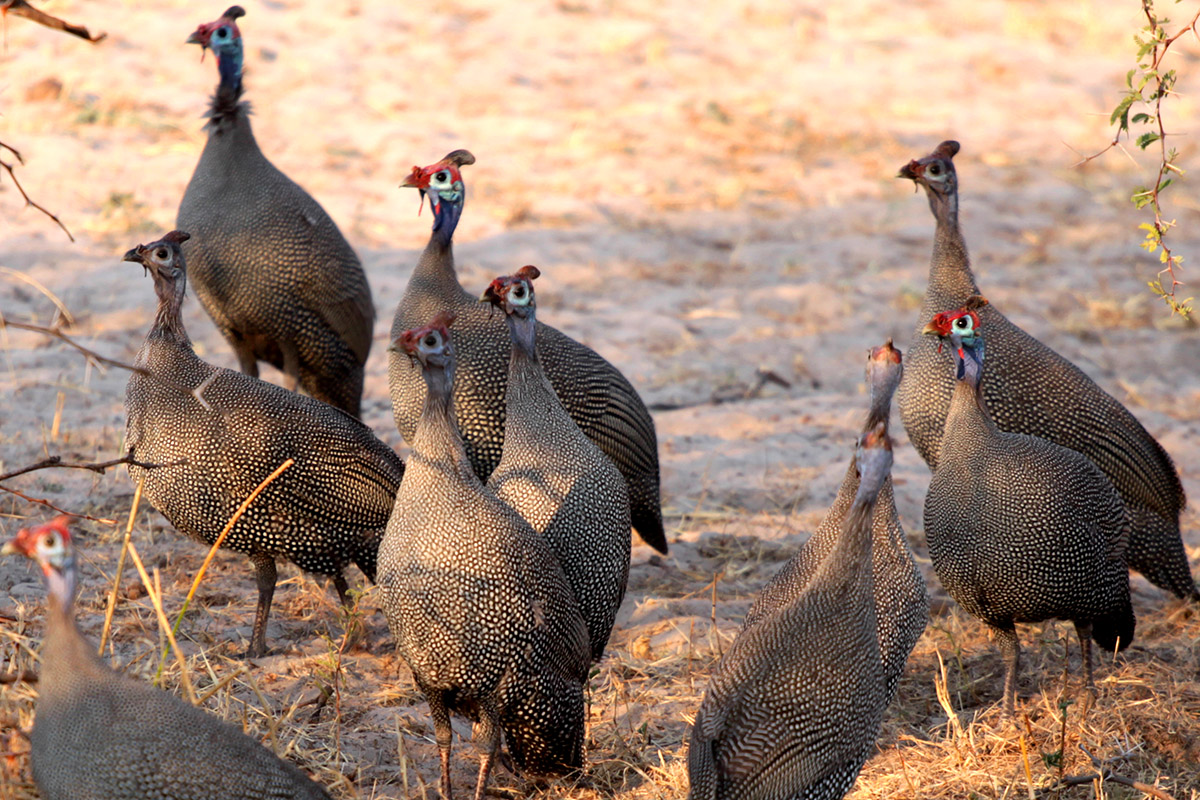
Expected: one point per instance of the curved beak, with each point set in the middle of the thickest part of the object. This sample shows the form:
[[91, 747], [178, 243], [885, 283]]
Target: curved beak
[[135, 255], [10, 549], [931, 329]]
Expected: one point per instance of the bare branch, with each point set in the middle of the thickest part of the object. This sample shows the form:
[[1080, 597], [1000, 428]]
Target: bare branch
[[7, 167], [41, 501], [197, 393], [20, 8], [57, 462]]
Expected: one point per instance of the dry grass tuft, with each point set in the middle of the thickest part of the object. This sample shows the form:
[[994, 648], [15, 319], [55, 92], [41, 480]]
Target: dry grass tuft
[[345, 709]]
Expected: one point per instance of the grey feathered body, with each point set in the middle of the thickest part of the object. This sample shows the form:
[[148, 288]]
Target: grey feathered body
[[600, 400], [272, 269], [796, 702], [569, 491], [329, 509], [1029, 388], [100, 735], [901, 598], [480, 608], [1021, 529]]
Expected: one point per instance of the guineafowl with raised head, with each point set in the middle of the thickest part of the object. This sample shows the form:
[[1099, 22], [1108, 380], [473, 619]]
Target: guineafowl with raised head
[[269, 265], [1031, 389], [1021, 529], [598, 397], [101, 735], [795, 705], [475, 597], [554, 476], [218, 434], [901, 599]]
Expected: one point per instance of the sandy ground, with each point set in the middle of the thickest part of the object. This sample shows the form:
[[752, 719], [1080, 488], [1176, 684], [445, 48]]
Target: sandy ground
[[708, 189]]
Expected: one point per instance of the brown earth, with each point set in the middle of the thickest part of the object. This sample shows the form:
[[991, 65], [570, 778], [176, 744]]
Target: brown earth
[[708, 189]]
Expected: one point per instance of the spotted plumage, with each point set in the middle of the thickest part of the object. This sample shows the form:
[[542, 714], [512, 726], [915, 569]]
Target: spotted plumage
[[476, 599], [557, 478], [268, 264], [100, 735], [796, 702], [598, 397], [1021, 529], [328, 510], [1031, 389], [901, 600]]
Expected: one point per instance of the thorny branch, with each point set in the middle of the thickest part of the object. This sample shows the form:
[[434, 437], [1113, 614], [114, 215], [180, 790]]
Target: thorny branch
[[1163, 82], [56, 332], [8, 167]]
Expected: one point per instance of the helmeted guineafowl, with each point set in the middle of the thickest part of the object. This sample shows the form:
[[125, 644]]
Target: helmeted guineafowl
[[326, 511], [901, 600], [796, 702], [597, 396], [554, 476], [476, 599], [269, 265], [1021, 529], [104, 736], [1031, 389]]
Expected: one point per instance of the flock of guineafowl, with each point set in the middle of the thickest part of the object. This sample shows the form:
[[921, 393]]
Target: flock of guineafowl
[[501, 547]]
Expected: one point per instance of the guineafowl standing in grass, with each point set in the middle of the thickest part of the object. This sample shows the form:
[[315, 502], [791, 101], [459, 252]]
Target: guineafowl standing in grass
[[554, 476], [901, 600], [796, 702], [1031, 389], [1021, 529], [269, 265], [598, 397], [475, 597], [218, 434], [100, 735]]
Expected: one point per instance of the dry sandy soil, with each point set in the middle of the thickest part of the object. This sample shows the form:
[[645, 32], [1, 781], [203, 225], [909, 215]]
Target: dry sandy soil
[[708, 189]]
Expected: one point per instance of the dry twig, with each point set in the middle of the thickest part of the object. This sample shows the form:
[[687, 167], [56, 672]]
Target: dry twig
[[8, 167], [57, 462], [91, 355]]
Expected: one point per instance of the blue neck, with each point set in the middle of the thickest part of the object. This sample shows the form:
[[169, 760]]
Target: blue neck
[[229, 66], [445, 220]]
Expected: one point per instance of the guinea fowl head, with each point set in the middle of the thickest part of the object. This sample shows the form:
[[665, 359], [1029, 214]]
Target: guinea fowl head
[[225, 40], [935, 172], [885, 368], [430, 344], [443, 183], [963, 329], [513, 294], [50, 546], [163, 259]]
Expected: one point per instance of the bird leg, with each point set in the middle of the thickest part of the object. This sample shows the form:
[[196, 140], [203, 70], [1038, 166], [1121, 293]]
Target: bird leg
[[487, 740], [247, 361], [291, 366], [1084, 631], [264, 568], [1010, 651], [343, 590], [441, 733]]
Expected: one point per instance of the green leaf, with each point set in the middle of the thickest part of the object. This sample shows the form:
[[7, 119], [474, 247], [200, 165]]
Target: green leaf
[[1165, 184], [1121, 112], [1147, 139], [1139, 118], [1141, 198]]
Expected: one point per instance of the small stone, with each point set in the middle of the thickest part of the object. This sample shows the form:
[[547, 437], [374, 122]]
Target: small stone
[[44, 90]]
